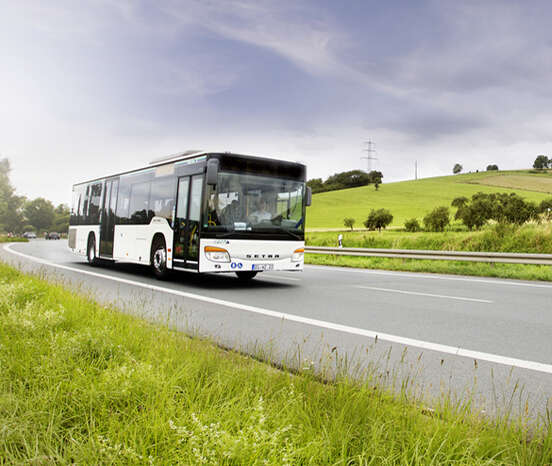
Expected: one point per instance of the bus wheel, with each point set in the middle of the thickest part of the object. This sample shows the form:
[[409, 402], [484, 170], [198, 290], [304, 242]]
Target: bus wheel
[[159, 258], [91, 251], [246, 275]]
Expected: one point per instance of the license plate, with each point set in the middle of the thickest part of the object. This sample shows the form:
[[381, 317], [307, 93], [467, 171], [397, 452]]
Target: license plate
[[262, 267]]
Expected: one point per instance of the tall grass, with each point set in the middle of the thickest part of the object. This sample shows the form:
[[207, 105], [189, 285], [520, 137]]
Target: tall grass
[[529, 238], [83, 384]]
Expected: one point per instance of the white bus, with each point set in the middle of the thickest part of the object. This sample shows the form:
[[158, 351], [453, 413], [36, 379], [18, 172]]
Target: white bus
[[198, 211]]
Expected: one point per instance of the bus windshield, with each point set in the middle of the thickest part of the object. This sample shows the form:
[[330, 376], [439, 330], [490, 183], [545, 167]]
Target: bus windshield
[[257, 204]]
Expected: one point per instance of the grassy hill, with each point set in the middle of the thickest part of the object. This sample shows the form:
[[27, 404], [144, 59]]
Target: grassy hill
[[407, 199]]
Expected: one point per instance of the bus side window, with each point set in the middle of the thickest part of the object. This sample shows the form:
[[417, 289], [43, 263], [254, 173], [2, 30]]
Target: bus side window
[[83, 210], [123, 201], [161, 202], [139, 203], [94, 203], [76, 209]]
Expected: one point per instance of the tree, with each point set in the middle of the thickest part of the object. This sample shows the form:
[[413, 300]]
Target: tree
[[460, 202], [316, 184], [349, 222], [61, 220], [492, 167], [515, 210], [11, 216], [343, 180], [40, 213], [378, 219], [457, 168], [375, 177], [472, 216], [542, 162], [13, 220], [412, 225], [6, 190], [437, 219], [350, 179], [474, 213]]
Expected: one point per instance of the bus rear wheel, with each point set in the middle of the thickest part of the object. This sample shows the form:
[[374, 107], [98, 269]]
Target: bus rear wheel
[[159, 258], [91, 251], [246, 275]]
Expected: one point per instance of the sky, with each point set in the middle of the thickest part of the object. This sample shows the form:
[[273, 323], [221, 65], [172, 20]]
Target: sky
[[94, 87]]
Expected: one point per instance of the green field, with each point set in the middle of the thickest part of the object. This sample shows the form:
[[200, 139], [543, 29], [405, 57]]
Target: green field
[[407, 199], [83, 384]]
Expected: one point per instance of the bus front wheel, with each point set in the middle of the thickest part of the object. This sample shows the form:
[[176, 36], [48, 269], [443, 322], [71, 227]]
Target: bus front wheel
[[159, 258], [246, 275]]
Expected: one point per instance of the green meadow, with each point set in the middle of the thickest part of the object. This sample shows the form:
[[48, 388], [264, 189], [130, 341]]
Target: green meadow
[[85, 384], [408, 199]]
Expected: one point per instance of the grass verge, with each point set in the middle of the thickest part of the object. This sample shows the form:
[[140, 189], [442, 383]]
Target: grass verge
[[80, 383], [5, 239], [478, 269], [529, 238]]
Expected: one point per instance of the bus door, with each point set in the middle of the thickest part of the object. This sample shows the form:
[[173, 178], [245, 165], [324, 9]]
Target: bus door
[[107, 224], [186, 226]]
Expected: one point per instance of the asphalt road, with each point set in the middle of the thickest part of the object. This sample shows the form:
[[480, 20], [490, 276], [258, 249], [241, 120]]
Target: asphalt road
[[486, 340]]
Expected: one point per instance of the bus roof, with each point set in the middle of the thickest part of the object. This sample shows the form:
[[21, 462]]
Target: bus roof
[[189, 154]]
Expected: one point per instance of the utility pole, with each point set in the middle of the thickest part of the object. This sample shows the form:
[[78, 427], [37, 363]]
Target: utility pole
[[415, 169], [370, 154]]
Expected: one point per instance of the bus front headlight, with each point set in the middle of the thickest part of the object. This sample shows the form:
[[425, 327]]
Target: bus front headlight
[[217, 254], [298, 255]]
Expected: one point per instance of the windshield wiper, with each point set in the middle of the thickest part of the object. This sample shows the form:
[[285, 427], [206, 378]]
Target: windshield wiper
[[293, 235], [253, 231]]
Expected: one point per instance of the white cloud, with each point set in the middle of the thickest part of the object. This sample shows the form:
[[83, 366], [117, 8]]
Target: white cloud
[[120, 82]]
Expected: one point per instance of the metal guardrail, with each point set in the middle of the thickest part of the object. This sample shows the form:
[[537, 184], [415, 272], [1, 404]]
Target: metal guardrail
[[504, 257]]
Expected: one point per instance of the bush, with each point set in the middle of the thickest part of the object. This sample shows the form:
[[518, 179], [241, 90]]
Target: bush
[[492, 167], [545, 206], [349, 222], [378, 219], [437, 219], [474, 214], [501, 207], [511, 208], [412, 225]]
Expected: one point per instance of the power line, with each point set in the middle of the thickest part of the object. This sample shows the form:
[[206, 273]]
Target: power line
[[370, 154]]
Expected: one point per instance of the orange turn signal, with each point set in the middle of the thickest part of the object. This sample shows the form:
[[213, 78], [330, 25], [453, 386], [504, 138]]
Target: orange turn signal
[[214, 249]]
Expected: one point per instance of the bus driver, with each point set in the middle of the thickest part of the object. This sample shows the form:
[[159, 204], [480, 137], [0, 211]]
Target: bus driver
[[261, 214]]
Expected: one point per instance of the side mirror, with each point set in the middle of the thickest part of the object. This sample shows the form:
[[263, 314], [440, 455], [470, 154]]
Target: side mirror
[[308, 196], [212, 171]]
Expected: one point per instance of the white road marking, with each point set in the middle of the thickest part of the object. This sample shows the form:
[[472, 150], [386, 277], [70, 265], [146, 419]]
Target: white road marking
[[416, 293], [456, 351], [503, 282]]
